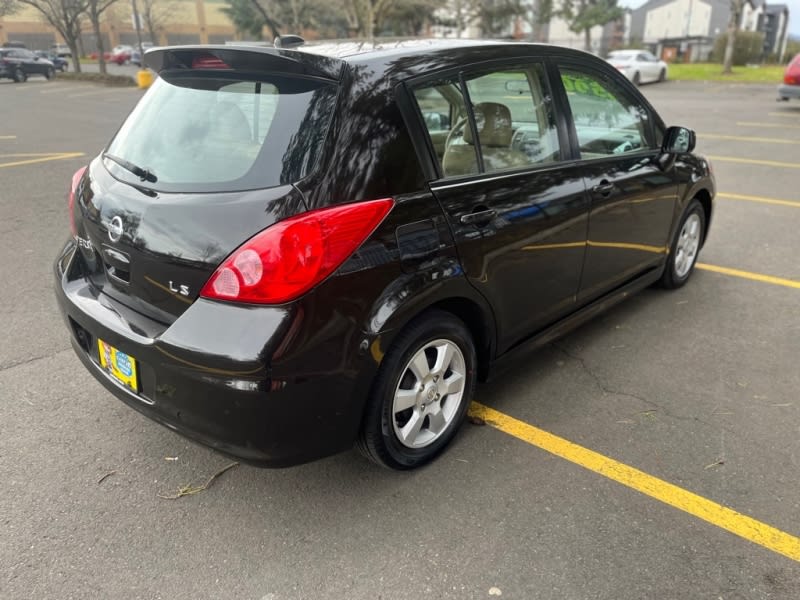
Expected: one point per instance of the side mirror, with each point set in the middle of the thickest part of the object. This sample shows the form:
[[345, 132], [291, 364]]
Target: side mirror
[[518, 86], [678, 140]]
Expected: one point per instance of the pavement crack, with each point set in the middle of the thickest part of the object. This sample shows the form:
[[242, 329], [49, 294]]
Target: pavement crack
[[18, 363], [601, 385]]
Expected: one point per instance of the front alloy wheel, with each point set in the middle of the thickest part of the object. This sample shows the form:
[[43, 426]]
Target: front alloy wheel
[[421, 393], [685, 247]]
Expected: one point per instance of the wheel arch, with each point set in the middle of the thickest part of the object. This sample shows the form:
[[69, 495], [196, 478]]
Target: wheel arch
[[704, 197], [454, 295]]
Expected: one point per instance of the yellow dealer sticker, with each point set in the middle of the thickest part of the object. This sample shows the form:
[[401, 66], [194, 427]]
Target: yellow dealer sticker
[[118, 364]]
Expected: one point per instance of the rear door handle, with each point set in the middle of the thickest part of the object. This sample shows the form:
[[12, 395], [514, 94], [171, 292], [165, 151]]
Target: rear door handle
[[604, 188], [478, 218]]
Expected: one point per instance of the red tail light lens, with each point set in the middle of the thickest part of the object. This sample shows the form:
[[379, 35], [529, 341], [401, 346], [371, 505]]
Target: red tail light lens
[[73, 188], [289, 258]]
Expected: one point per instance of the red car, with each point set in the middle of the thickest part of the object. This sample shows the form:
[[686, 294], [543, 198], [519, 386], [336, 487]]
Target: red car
[[790, 88], [119, 55]]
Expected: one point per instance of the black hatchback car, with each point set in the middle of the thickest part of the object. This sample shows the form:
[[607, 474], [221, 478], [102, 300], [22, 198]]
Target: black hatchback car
[[284, 252]]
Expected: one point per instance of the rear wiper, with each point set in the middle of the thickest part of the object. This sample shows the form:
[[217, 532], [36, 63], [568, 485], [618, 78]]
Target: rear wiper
[[141, 173]]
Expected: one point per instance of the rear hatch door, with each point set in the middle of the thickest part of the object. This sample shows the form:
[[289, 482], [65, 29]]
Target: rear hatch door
[[207, 159]]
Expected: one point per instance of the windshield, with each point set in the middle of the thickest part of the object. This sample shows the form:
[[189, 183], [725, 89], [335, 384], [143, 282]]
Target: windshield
[[221, 132]]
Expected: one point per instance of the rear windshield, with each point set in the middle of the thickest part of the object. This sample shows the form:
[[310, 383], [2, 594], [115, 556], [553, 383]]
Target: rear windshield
[[223, 132]]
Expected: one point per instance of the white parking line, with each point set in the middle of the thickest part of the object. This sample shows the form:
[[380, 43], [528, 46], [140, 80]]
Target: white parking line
[[102, 92], [62, 88]]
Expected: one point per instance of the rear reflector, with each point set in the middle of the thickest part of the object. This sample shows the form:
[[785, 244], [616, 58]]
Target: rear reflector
[[289, 258], [73, 188]]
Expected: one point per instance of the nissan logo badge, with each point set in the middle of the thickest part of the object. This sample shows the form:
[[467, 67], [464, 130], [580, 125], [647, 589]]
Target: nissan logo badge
[[115, 229]]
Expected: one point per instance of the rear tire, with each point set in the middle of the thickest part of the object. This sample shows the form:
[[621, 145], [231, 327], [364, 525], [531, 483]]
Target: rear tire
[[19, 75], [421, 393], [636, 79], [685, 247]]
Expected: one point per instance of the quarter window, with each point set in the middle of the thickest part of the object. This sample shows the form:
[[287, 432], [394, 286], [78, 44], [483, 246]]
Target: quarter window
[[606, 121]]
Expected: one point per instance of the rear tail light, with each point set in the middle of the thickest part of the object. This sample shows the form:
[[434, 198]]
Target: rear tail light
[[792, 78], [289, 258], [76, 179]]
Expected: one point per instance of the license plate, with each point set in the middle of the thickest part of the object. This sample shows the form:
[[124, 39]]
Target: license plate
[[118, 364]]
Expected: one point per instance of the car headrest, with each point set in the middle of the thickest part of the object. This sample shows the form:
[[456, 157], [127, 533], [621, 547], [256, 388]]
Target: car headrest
[[493, 121]]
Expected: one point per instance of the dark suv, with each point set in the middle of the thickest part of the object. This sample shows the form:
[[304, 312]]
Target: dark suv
[[286, 251]]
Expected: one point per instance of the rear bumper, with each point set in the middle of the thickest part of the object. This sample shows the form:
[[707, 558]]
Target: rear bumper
[[224, 375], [788, 91]]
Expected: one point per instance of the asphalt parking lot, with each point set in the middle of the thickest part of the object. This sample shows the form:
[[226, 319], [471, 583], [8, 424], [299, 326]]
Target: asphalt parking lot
[[653, 453]]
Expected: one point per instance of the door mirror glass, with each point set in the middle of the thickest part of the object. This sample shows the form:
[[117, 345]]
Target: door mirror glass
[[679, 140]]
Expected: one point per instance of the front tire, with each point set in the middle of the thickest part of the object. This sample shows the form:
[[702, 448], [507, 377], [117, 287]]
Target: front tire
[[421, 393], [662, 76], [636, 79], [685, 247], [50, 73], [19, 75]]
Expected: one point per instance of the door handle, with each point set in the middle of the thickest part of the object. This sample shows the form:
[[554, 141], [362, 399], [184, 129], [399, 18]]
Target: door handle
[[604, 188], [478, 218]]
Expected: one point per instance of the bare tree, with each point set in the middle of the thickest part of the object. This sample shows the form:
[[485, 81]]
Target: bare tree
[[733, 27], [94, 9], [8, 7], [156, 14], [65, 16]]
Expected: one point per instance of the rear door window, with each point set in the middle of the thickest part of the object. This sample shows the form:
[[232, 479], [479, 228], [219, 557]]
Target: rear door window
[[513, 125], [221, 133]]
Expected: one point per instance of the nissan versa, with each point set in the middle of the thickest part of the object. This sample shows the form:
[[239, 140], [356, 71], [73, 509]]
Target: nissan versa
[[287, 251]]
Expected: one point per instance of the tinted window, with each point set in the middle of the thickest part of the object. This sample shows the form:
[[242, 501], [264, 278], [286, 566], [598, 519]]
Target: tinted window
[[514, 124], [514, 119], [606, 120], [217, 133], [445, 115]]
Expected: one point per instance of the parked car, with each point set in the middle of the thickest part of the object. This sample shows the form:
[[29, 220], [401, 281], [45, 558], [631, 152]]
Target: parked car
[[61, 50], [19, 64], [136, 57], [790, 88], [282, 252], [639, 66], [121, 54], [61, 64], [14, 44]]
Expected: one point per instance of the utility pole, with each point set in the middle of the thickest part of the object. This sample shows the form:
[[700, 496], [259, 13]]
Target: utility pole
[[138, 29]]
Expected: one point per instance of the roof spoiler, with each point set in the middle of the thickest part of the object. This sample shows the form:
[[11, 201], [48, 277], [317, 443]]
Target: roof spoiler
[[243, 58]]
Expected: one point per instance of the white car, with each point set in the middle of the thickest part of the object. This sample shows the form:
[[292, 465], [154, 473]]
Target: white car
[[639, 66]]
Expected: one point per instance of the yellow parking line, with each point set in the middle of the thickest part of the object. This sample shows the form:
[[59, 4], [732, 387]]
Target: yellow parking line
[[783, 114], [790, 283], [716, 514], [773, 125], [762, 199], [41, 159], [752, 161], [8, 137], [742, 138]]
